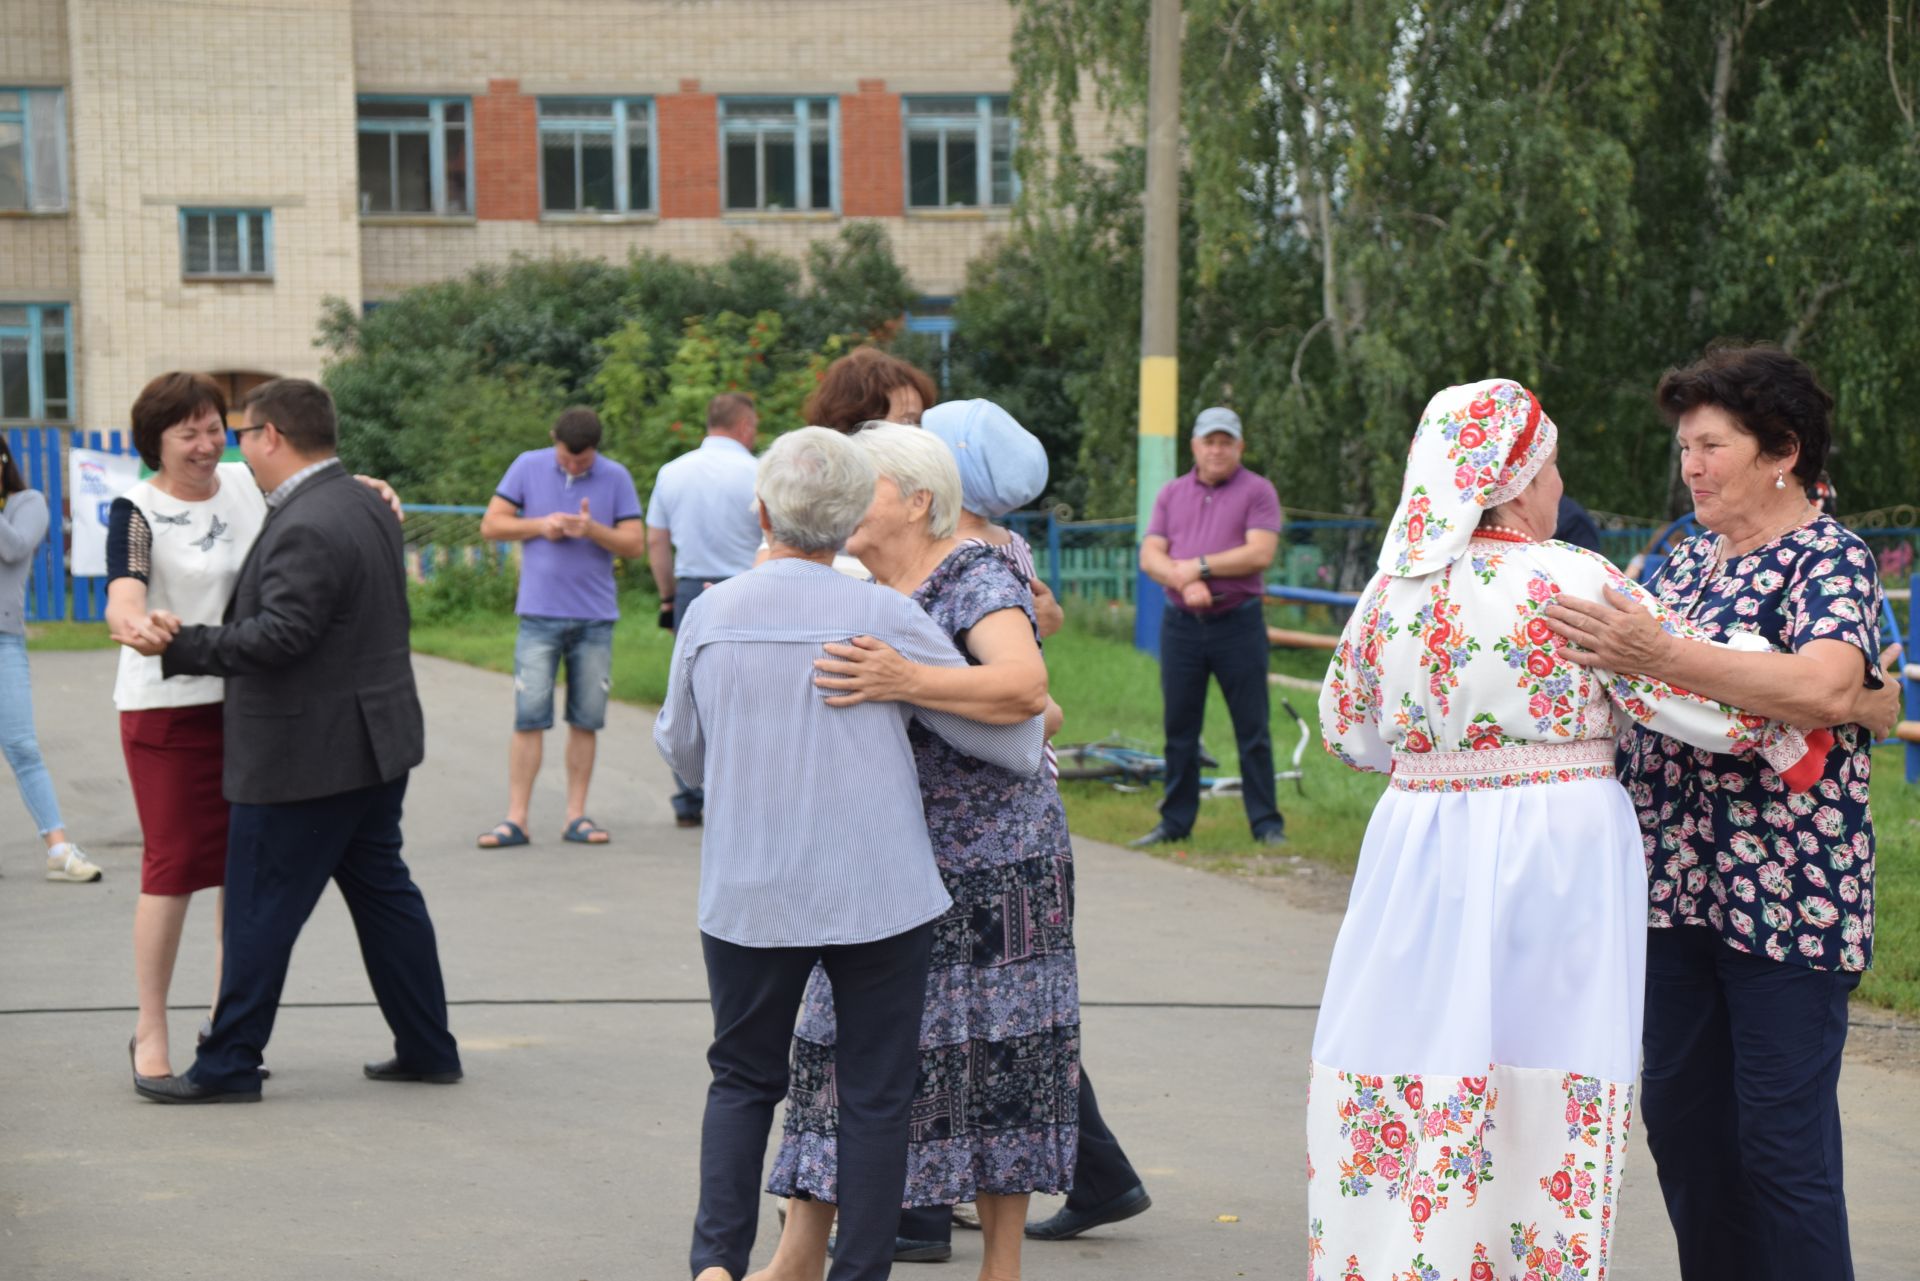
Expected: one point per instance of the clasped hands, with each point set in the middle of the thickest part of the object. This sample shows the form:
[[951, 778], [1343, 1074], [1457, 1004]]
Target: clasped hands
[[149, 636], [1185, 579], [558, 525]]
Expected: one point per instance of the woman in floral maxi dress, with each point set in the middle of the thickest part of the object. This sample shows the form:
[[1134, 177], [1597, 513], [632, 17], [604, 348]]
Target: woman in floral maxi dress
[[1474, 1060]]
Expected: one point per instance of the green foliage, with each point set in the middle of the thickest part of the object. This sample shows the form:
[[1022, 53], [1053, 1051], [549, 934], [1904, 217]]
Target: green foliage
[[439, 389], [1380, 200], [460, 592]]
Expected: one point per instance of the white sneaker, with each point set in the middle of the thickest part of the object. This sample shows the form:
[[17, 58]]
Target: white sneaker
[[68, 862]]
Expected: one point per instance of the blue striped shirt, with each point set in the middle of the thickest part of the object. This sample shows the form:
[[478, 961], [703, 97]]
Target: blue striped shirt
[[815, 834]]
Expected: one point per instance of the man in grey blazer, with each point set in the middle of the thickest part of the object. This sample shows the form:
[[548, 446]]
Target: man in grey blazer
[[322, 726]]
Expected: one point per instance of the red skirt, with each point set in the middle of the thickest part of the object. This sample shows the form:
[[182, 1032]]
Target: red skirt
[[174, 756]]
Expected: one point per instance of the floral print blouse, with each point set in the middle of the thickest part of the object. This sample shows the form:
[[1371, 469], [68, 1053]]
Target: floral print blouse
[[1452, 681], [1788, 875]]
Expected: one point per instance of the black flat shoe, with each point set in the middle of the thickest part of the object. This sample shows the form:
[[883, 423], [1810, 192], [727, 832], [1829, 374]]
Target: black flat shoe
[[1069, 1223], [178, 1089], [139, 1080], [1160, 835], [395, 1070]]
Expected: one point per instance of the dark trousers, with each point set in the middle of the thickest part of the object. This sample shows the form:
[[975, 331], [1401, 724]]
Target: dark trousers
[[688, 802], [1742, 1112], [1231, 648], [879, 991], [1101, 1172], [279, 860]]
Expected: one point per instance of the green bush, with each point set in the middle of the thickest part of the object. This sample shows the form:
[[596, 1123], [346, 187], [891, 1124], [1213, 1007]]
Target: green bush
[[458, 592]]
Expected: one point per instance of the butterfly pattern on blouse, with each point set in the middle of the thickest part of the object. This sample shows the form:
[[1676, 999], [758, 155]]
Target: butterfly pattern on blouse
[[217, 532], [180, 519]]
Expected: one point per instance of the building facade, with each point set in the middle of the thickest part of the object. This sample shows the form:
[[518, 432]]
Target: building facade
[[182, 182]]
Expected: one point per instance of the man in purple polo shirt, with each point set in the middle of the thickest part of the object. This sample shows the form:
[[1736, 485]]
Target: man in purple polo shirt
[[575, 511], [1213, 534]]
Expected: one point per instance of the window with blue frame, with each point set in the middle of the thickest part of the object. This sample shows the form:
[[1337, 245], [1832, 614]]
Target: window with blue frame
[[36, 362], [416, 156], [959, 152], [226, 244], [596, 155], [778, 154], [33, 150]]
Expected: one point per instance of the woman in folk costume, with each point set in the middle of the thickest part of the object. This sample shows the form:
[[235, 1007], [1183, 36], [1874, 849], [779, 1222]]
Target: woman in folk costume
[[1474, 1061]]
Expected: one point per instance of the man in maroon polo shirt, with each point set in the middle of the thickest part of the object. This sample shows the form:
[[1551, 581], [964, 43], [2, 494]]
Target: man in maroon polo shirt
[[1213, 534]]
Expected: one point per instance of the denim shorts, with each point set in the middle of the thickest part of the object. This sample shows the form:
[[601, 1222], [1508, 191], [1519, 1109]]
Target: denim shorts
[[587, 647]]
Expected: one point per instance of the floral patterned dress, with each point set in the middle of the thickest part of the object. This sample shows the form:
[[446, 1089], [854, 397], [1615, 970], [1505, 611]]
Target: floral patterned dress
[[996, 1105], [1474, 1060], [1729, 846]]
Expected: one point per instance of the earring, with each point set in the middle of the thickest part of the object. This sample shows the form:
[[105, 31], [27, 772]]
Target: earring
[[1779, 480]]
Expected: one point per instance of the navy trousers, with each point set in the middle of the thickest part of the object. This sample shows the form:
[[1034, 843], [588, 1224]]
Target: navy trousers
[[1231, 648], [879, 991], [1742, 1111], [688, 801], [1101, 1172], [279, 860]]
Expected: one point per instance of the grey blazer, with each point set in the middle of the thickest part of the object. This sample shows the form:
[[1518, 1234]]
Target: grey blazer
[[320, 693]]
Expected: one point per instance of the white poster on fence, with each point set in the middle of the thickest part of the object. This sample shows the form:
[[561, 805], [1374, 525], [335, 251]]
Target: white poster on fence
[[94, 480]]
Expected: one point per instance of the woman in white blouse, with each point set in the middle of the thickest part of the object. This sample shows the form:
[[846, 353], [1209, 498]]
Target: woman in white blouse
[[176, 542]]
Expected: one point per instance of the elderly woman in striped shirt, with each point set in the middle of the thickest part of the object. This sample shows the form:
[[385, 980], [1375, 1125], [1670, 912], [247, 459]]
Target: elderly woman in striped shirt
[[816, 848]]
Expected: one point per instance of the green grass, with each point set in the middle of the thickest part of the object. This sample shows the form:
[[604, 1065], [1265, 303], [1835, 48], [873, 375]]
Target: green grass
[[67, 636], [1894, 980]]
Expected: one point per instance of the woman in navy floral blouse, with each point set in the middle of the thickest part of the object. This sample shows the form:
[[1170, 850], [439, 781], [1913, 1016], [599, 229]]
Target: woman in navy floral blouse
[[1760, 900]]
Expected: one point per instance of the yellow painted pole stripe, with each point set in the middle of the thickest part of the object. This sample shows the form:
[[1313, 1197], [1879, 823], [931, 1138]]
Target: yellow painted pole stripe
[[1159, 395]]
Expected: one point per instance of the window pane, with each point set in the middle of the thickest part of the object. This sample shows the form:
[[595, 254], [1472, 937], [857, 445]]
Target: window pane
[[743, 190], [637, 116], [395, 111], [453, 113], [415, 194], [782, 179], [923, 169], [556, 172], [999, 108], [14, 394], [639, 178], [822, 174], [13, 317], [53, 324], [576, 108], [762, 113], [596, 172], [226, 243], [457, 172], [13, 166], [942, 107], [54, 380], [376, 186], [1002, 162], [963, 171], [199, 245], [257, 244], [9, 100], [47, 131]]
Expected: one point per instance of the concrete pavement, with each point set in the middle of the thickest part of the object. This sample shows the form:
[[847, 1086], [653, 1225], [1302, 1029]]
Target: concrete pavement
[[569, 1152]]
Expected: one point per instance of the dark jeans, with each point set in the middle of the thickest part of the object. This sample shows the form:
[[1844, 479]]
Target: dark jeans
[[1232, 648], [279, 860], [688, 802], [1742, 1112], [1101, 1172], [879, 990]]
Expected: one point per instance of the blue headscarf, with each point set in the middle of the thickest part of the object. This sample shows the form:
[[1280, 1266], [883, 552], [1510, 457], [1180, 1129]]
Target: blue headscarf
[[1003, 466]]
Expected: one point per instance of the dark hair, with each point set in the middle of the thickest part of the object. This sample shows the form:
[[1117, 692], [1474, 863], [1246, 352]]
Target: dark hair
[[858, 386], [299, 410], [1773, 396], [11, 481], [729, 409], [167, 401], [578, 429]]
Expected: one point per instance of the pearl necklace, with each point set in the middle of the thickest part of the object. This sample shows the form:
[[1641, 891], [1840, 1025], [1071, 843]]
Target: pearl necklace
[[1502, 534]]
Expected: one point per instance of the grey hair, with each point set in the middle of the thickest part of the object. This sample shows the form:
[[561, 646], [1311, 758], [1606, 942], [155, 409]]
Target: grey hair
[[919, 462], [816, 487]]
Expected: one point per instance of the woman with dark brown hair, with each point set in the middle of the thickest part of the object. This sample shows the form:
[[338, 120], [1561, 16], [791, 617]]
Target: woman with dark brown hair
[[23, 524], [868, 385]]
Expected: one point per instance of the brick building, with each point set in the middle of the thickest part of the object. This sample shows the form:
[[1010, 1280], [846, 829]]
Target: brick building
[[183, 181]]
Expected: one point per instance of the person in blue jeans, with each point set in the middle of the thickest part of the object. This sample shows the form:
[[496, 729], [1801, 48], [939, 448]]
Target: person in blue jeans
[[23, 525], [575, 511]]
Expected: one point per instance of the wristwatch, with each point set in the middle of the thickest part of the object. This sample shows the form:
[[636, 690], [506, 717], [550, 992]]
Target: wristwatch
[[1206, 570]]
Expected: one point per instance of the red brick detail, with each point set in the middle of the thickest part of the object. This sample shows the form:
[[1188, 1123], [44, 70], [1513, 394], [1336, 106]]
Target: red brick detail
[[871, 182], [689, 86], [689, 133], [506, 154]]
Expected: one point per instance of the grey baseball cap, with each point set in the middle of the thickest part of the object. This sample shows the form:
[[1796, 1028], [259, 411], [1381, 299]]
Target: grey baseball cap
[[1218, 418]]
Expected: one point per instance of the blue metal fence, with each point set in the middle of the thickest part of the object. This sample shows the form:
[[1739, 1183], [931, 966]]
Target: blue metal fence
[[37, 451]]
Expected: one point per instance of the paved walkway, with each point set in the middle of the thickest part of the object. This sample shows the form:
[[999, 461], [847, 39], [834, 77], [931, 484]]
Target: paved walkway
[[570, 1150]]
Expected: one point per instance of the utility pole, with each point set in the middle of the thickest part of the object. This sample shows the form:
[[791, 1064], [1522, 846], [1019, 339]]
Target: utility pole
[[1159, 298]]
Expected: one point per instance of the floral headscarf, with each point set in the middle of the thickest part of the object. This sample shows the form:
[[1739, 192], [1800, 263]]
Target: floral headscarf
[[1478, 446]]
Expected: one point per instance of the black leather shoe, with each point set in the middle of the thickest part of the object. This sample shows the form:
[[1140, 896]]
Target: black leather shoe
[[1272, 836], [687, 820], [1160, 835], [1069, 1223], [907, 1250], [394, 1070], [178, 1089]]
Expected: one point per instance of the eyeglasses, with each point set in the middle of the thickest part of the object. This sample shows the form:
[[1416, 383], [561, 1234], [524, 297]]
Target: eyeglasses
[[241, 431]]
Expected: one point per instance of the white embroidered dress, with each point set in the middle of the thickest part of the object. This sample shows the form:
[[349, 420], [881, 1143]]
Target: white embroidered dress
[[1474, 1060]]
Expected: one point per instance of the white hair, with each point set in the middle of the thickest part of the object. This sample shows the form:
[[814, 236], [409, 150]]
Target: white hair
[[816, 487], [919, 462]]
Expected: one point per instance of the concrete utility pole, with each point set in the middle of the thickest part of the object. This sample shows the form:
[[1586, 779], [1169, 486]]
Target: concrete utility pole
[[1159, 297]]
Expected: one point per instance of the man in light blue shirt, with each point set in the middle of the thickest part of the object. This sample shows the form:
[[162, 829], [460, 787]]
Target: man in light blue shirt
[[702, 528], [818, 851]]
